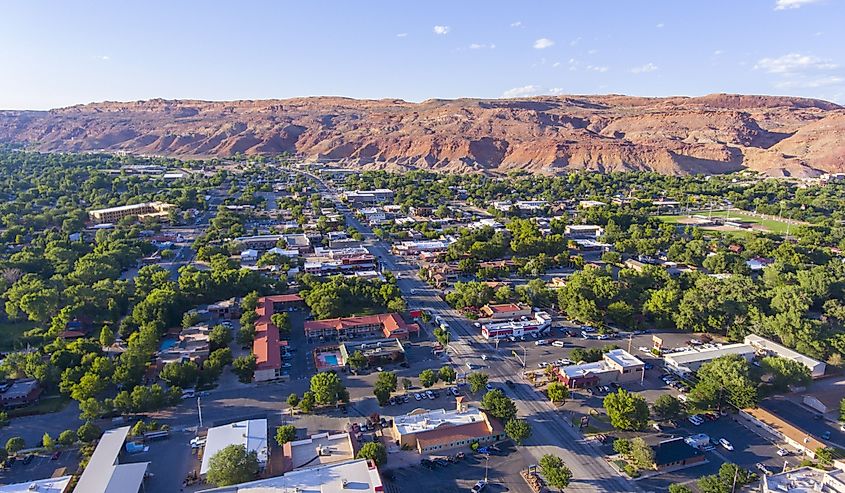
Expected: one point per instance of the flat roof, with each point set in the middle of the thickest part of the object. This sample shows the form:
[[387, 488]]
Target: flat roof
[[623, 358], [50, 485], [121, 208], [104, 475], [418, 421], [345, 477], [780, 350], [802, 480], [319, 449], [251, 433], [695, 355], [787, 429]]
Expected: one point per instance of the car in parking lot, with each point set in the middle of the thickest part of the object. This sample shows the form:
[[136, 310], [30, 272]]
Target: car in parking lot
[[417, 397], [489, 387], [696, 419], [558, 344], [479, 486], [726, 444], [763, 468], [783, 452], [429, 394]]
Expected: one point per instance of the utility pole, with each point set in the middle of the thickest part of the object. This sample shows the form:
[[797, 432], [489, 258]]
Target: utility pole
[[486, 466], [199, 412]]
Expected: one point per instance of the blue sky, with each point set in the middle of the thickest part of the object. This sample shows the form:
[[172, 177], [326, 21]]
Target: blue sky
[[60, 53]]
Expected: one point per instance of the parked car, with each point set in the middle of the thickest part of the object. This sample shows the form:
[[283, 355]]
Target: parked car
[[540, 342], [726, 444], [826, 435], [417, 397], [479, 487], [783, 452], [558, 344], [696, 420], [429, 394], [489, 387]]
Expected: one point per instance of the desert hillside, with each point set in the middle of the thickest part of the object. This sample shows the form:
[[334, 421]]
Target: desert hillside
[[677, 135]]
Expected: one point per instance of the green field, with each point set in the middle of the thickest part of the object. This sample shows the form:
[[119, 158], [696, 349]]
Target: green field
[[11, 334], [772, 225]]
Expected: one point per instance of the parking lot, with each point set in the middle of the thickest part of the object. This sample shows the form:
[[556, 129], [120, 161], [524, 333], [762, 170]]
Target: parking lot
[[39, 466]]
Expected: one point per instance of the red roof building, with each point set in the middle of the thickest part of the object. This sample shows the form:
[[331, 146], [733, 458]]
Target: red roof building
[[267, 345], [506, 311], [381, 325]]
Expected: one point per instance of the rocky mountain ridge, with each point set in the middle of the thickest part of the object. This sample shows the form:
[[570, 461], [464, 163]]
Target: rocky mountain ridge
[[675, 135]]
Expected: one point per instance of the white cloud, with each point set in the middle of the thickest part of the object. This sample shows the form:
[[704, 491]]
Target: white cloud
[[599, 68], [556, 64], [792, 4], [481, 46], [592, 52], [516, 24], [810, 83], [543, 43], [441, 30], [643, 69], [557, 91], [402, 35], [660, 25], [718, 52], [522, 92], [794, 63], [103, 58], [575, 41]]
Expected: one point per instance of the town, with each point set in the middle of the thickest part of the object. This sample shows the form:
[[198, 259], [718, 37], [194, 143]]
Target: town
[[279, 324]]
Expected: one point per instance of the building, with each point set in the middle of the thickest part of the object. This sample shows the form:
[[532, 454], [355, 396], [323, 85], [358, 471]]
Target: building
[[368, 326], [298, 242], [373, 215], [432, 431], [540, 322], [225, 309], [51, 485], [249, 255], [104, 473], [505, 311], [583, 231], [587, 204], [377, 351], [803, 480], [267, 344], [259, 243], [418, 247], [192, 345], [19, 393], [360, 476], [691, 360], [141, 211], [317, 450], [676, 453], [363, 198], [788, 432], [252, 434], [769, 348], [617, 366]]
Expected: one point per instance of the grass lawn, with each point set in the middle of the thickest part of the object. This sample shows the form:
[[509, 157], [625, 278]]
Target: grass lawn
[[11, 334], [45, 405], [772, 225]]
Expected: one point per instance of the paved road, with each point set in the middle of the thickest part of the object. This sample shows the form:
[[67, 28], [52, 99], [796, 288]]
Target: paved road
[[551, 433]]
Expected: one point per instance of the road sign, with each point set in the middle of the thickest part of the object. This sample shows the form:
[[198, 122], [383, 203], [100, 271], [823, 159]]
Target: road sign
[[657, 342]]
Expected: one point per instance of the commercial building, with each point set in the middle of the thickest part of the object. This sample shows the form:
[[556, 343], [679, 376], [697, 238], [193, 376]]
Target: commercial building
[[362, 198], [19, 393], [360, 476], [431, 431], [252, 434], [50, 485], [267, 345], [193, 345], [676, 453], [373, 215], [104, 474], [377, 351], [225, 309], [691, 360], [505, 311], [804, 480], [418, 247], [767, 347], [539, 323], [617, 366], [368, 326], [141, 211], [317, 450], [788, 432], [583, 231], [259, 243]]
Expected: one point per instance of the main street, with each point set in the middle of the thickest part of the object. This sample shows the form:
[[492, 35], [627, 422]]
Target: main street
[[552, 434]]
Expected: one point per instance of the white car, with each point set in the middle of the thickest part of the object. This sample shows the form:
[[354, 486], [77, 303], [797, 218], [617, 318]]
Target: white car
[[542, 364], [429, 394], [558, 344], [726, 444], [483, 357], [479, 486], [783, 452], [696, 419], [541, 342], [417, 397], [197, 442]]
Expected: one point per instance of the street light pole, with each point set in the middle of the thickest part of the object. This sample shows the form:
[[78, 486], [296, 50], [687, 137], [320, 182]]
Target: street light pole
[[199, 412]]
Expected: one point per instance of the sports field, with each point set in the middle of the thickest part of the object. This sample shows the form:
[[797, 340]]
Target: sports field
[[759, 222]]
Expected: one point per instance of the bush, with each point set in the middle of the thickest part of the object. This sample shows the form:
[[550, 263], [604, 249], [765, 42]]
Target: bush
[[631, 471]]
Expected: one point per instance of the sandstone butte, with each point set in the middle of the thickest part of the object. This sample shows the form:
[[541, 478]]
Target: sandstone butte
[[779, 136]]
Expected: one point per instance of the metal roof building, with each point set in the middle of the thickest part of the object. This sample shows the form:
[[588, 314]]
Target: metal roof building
[[252, 434], [103, 474]]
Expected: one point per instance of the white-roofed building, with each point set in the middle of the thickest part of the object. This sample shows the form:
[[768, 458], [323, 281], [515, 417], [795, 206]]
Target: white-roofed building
[[616, 365], [583, 231], [360, 475], [50, 485], [252, 434], [816, 367], [691, 360], [103, 474], [318, 450]]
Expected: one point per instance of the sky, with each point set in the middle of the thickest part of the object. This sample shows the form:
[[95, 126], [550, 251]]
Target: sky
[[60, 53]]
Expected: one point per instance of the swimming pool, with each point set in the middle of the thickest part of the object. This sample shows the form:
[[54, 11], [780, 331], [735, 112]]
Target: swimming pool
[[331, 359], [167, 344]]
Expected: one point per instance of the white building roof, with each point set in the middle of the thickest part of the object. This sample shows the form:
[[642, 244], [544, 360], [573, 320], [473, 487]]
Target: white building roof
[[697, 355], [623, 358], [353, 476], [51, 485], [104, 475], [252, 434], [426, 421], [321, 449], [782, 351], [574, 371]]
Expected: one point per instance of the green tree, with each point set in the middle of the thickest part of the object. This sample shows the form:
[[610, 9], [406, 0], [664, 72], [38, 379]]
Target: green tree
[[642, 454], [219, 337], [373, 451], [14, 445], [48, 442], [293, 400], [4, 419], [182, 375], [357, 360], [555, 471], [326, 388], [557, 392], [67, 438], [285, 434], [622, 446], [244, 368], [499, 405], [626, 411], [477, 381], [725, 379], [106, 336], [668, 407], [407, 383], [825, 456], [282, 321], [232, 465], [442, 336], [382, 395], [307, 403], [427, 378], [679, 488], [387, 379], [785, 372], [447, 374], [518, 430]]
